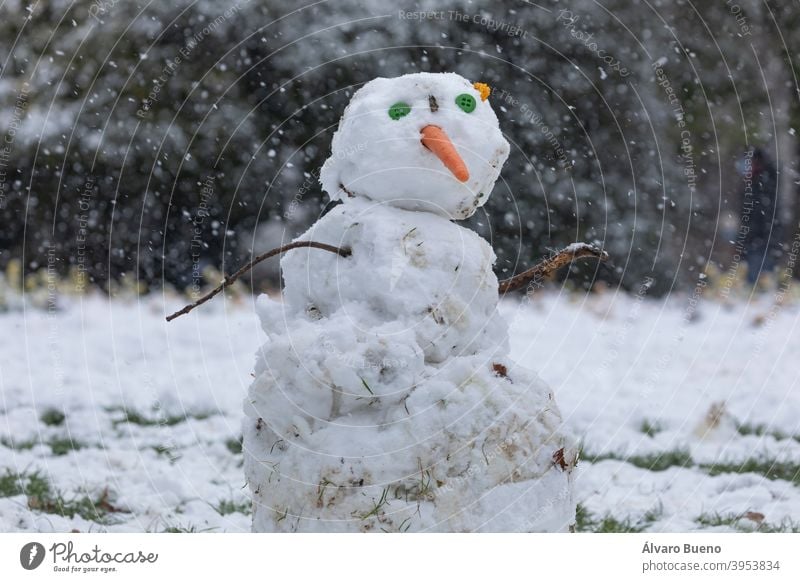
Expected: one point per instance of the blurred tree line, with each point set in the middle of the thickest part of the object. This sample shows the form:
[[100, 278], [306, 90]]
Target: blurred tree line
[[148, 140]]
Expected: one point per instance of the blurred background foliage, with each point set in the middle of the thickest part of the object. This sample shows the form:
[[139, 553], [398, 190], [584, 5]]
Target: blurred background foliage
[[137, 135]]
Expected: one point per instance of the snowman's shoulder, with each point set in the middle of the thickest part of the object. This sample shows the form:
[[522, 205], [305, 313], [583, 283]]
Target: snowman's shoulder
[[363, 219], [356, 213], [430, 225], [327, 226], [448, 237], [378, 230]]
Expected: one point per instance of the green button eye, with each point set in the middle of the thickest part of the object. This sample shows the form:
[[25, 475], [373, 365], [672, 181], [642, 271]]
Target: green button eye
[[466, 102], [399, 110]]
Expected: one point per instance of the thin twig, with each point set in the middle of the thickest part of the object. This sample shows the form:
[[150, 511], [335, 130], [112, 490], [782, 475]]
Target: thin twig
[[230, 279], [551, 264]]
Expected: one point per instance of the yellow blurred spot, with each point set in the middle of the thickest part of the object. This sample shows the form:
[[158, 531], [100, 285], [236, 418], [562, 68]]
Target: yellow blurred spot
[[483, 89]]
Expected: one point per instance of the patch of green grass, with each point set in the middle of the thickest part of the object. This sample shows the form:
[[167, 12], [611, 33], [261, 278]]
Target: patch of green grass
[[610, 524], [734, 522], [97, 508], [43, 497], [58, 445], [378, 506], [785, 526], [234, 445], [585, 521], [63, 445], [717, 520], [652, 462], [185, 529], [53, 417], [650, 428], [18, 445], [662, 461], [746, 429], [769, 468], [653, 514], [227, 506], [12, 484], [132, 416]]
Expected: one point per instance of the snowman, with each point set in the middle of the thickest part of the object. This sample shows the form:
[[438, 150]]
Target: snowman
[[384, 398]]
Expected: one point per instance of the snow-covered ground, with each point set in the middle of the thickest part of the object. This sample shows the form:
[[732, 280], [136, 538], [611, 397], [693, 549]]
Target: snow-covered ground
[[689, 416]]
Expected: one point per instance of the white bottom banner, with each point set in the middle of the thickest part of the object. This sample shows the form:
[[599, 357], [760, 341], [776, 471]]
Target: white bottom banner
[[424, 557]]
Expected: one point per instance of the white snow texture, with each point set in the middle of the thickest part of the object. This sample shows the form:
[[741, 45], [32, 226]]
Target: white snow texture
[[384, 398]]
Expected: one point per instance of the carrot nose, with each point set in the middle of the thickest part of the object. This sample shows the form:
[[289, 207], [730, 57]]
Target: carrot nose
[[435, 139]]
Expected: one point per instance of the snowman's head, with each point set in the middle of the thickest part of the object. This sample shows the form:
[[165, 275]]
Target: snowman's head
[[425, 141]]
